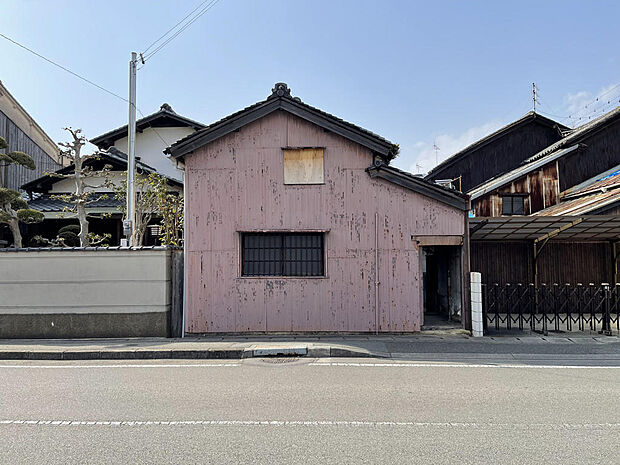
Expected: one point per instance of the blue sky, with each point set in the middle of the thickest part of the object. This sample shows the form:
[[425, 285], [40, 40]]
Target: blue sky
[[418, 73]]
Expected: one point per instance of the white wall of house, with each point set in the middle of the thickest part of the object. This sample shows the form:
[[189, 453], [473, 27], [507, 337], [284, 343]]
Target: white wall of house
[[65, 186], [150, 148]]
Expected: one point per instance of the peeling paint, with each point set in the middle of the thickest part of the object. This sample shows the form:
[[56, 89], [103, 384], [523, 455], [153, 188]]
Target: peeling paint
[[237, 185]]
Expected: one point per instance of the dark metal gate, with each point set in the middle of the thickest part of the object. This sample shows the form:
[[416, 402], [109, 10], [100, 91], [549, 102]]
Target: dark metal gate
[[552, 308]]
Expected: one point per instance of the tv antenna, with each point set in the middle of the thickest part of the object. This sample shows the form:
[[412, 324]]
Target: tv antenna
[[436, 149], [535, 93]]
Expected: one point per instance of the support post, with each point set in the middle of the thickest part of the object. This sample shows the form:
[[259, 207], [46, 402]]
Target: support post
[[376, 272], [129, 226], [606, 329], [477, 323]]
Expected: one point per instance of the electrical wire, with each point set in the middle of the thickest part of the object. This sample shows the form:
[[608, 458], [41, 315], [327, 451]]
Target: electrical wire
[[64, 68], [585, 107], [82, 78], [183, 28], [173, 27]]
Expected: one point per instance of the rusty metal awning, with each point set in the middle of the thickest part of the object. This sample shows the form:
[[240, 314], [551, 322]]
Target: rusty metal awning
[[587, 228]]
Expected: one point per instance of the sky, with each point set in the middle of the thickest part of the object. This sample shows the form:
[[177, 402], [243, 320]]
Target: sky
[[419, 73]]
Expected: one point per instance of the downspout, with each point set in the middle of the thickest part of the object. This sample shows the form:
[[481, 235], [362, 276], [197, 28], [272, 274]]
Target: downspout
[[376, 272], [185, 223]]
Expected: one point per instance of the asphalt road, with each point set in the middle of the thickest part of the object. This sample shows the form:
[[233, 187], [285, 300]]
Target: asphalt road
[[309, 411]]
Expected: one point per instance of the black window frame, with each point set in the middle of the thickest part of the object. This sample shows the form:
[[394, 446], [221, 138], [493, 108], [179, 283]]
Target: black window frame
[[282, 254], [509, 201]]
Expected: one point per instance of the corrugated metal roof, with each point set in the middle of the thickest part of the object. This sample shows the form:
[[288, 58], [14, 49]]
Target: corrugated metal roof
[[537, 228], [589, 196], [546, 155], [582, 205], [603, 181], [503, 179]]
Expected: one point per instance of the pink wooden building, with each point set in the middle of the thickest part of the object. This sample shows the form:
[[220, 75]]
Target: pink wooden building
[[295, 221]]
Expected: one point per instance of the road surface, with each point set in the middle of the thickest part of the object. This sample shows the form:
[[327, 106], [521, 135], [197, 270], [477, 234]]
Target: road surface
[[310, 411]]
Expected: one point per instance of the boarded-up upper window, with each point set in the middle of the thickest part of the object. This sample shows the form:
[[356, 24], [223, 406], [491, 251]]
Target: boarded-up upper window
[[303, 166]]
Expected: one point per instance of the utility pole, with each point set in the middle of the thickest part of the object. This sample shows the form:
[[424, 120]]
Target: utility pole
[[129, 223]]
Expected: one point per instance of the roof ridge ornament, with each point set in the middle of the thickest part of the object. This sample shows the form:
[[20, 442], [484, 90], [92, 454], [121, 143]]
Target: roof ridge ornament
[[167, 107], [280, 89]]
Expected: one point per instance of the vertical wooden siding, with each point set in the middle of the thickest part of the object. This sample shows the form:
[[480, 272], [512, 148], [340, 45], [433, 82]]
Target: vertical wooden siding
[[499, 156], [236, 184], [542, 186], [559, 262], [14, 176]]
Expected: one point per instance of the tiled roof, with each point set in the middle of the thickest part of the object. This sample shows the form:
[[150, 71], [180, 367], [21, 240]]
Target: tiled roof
[[165, 113], [281, 99], [420, 185], [111, 156], [47, 203]]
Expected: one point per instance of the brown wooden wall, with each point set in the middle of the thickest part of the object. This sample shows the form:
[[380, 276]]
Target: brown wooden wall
[[559, 262], [498, 156], [600, 152], [542, 187]]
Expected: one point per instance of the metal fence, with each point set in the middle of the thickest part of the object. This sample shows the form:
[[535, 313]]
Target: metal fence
[[558, 307]]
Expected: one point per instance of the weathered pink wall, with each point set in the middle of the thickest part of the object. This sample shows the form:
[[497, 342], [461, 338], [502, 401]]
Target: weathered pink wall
[[236, 184]]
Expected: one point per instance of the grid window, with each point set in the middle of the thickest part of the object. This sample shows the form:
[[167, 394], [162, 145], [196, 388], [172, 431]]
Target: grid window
[[282, 254], [513, 205]]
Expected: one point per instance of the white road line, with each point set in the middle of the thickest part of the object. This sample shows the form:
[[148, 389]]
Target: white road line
[[458, 365], [420, 424], [172, 365]]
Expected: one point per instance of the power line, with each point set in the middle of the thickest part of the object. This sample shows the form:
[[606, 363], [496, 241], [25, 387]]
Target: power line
[[598, 97], [80, 77], [173, 27], [64, 68], [177, 33]]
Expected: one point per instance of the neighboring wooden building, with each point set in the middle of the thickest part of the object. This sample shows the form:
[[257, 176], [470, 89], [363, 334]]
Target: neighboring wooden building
[[554, 219], [23, 133], [498, 152], [296, 222], [541, 181]]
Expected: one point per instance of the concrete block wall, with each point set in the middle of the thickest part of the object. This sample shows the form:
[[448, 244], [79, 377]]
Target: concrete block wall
[[69, 293]]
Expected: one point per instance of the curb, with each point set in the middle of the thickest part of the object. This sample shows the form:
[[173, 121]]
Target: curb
[[180, 354]]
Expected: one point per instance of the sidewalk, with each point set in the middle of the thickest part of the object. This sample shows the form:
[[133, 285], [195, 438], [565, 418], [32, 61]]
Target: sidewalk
[[433, 346]]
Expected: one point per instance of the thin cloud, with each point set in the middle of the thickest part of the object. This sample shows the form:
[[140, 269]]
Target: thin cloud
[[423, 152]]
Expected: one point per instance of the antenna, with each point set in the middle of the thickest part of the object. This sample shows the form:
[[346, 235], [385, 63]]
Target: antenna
[[436, 148], [418, 168], [534, 95]]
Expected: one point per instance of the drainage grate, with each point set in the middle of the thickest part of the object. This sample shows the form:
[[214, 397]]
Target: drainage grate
[[280, 359]]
